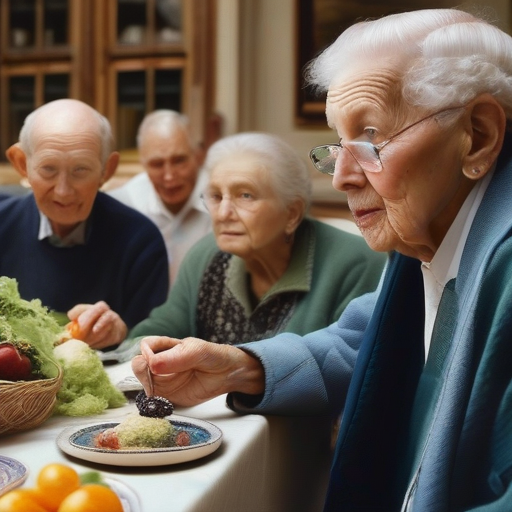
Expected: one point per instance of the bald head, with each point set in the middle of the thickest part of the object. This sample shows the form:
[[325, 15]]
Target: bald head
[[163, 123], [67, 116]]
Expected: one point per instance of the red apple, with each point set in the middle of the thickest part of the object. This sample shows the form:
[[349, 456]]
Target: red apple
[[13, 365]]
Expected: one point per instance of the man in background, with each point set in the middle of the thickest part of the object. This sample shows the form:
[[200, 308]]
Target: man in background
[[170, 189], [68, 244]]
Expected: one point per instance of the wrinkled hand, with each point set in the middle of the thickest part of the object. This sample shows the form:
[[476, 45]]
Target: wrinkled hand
[[191, 371], [99, 326]]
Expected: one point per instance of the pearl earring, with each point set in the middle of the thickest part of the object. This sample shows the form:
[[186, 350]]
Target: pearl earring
[[476, 171]]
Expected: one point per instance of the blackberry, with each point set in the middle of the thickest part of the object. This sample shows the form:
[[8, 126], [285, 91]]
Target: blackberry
[[153, 406]]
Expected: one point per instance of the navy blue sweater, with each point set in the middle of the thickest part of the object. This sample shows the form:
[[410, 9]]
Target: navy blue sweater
[[123, 262]]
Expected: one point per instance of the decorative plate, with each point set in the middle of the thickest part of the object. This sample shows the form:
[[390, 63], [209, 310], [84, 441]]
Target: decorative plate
[[129, 499], [12, 474], [79, 442]]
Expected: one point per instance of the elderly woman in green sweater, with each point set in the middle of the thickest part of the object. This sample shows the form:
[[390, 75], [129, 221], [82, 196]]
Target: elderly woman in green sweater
[[266, 267]]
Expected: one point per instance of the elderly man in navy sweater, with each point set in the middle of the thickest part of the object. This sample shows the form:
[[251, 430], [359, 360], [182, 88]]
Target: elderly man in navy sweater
[[68, 244]]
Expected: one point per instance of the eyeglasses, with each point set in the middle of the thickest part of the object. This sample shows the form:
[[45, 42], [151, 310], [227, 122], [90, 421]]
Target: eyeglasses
[[366, 154], [242, 201]]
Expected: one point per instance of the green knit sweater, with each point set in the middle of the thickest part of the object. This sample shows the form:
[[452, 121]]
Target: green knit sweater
[[328, 268]]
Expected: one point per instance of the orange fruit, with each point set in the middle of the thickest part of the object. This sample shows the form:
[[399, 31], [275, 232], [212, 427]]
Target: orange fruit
[[92, 498], [54, 482], [20, 500], [74, 330]]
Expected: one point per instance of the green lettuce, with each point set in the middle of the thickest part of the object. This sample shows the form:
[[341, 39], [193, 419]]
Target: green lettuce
[[86, 388], [28, 324]]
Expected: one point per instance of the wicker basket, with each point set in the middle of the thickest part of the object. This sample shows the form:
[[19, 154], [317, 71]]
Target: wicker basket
[[27, 404]]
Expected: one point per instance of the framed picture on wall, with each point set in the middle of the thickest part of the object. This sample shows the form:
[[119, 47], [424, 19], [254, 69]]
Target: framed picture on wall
[[320, 22]]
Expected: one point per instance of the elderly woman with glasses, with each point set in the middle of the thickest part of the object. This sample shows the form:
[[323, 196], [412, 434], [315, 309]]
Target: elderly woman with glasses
[[422, 368], [267, 267]]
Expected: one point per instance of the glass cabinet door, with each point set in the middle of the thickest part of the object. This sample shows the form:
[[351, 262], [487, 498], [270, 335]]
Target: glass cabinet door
[[38, 24], [140, 92], [123, 57], [55, 86], [55, 26], [168, 89], [22, 98], [148, 22], [131, 106], [22, 23], [168, 21], [27, 92], [131, 22]]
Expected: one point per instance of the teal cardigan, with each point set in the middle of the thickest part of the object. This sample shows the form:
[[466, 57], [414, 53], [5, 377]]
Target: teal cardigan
[[329, 265], [370, 361]]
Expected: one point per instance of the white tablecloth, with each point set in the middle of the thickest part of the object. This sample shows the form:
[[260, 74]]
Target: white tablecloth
[[264, 464]]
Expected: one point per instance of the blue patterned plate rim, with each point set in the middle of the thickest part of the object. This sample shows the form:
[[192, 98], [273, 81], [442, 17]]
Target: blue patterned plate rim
[[12, 474], [129, 498]]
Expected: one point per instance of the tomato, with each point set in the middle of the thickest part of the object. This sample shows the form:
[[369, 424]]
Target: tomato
[[92, 498], [54, 482], [20, 500], [13, 365]]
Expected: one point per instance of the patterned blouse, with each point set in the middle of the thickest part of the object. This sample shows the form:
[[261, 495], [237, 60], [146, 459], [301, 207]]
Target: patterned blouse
[[222, 318]]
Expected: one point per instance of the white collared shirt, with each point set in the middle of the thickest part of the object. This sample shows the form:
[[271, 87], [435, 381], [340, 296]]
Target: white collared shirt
[[446, 261], [179, 231], [76, 237]]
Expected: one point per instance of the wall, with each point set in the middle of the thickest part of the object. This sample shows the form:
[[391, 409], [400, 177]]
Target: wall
[[256, 76]]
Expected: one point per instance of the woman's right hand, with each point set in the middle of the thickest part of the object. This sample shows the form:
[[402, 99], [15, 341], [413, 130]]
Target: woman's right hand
[[191, 371]]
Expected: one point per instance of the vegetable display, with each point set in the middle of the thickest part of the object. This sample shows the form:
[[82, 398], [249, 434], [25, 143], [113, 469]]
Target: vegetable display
[[29, 333], [27, 336]]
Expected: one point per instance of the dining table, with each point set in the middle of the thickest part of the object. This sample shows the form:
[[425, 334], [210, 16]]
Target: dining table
[[262, 463]]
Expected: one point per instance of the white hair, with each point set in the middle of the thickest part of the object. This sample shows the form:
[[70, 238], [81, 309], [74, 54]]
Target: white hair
[[163, 122], [447, 56], [104, 130], [290, 178]]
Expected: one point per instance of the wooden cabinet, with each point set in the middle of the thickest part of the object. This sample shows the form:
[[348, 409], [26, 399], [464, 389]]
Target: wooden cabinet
[[40, 59], [123, 57]]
